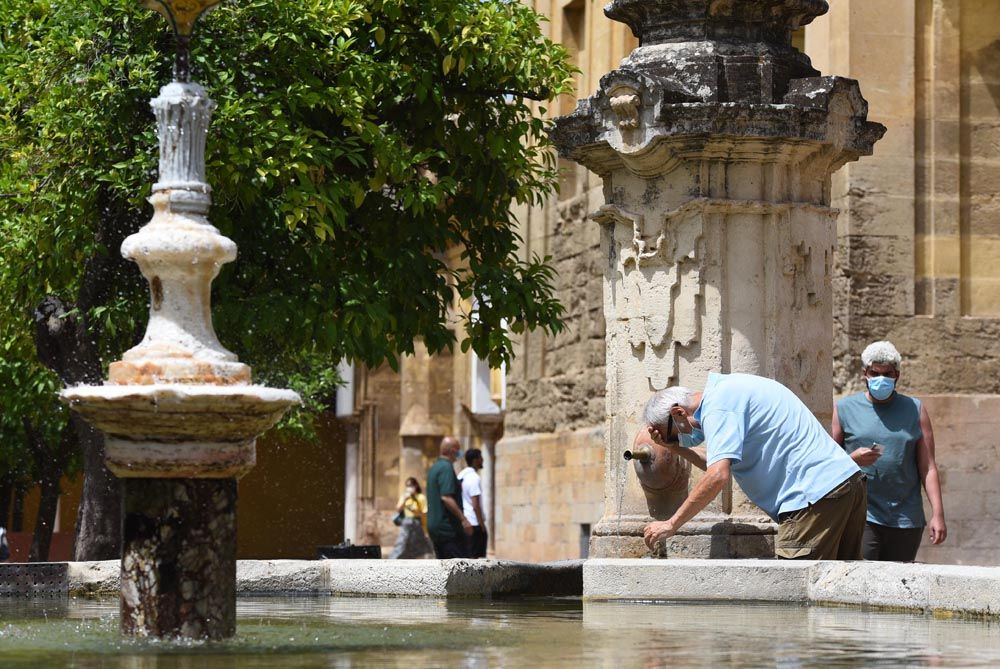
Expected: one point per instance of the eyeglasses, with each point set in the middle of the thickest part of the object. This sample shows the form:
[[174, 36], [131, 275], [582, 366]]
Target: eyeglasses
[[668, 437]]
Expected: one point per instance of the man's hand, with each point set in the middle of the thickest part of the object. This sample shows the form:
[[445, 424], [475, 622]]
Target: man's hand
[[866, 456], [657, 532], [939, 531], [656, 436], [467, 526]]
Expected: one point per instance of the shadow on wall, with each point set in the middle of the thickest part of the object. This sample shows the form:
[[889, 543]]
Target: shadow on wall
[[987, 61]]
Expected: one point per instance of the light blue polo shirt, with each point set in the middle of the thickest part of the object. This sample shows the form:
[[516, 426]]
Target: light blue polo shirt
[[781, 456]]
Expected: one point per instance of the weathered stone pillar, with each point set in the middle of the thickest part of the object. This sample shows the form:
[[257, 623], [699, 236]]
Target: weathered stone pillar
[[716, 140], [179, 558]]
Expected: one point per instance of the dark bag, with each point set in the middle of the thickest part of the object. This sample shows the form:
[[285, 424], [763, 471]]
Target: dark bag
[[398, 518]]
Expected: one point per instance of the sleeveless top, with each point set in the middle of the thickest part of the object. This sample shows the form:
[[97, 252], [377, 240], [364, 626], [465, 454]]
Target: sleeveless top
[[893, 480]]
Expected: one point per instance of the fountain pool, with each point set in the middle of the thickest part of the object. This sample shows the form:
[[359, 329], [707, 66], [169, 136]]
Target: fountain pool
[[323, 631]]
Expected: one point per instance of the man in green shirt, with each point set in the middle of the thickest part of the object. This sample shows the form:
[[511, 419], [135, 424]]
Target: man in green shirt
[[446, 523]]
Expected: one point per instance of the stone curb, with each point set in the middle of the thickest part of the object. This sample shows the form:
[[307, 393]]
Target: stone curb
[[938, 589], [369, 578]]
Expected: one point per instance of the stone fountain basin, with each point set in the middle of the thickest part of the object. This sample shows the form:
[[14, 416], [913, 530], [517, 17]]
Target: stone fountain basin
[[180, 430]]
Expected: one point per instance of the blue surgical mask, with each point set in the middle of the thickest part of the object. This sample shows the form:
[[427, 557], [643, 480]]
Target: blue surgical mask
[[696, 438], [881, 387]]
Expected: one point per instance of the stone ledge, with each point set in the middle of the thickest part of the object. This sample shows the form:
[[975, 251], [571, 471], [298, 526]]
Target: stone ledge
[[938, 589], [370, 578], [94, 578]]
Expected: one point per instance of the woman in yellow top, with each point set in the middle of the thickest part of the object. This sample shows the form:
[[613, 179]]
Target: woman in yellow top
[[412, 541]]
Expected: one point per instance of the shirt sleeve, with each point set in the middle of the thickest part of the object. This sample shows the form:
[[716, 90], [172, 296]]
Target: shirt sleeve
[[724, 434], [475, 487], [448, 483]]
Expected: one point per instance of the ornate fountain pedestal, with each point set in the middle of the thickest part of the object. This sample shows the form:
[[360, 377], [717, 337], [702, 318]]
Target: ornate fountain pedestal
[[716, 140], [178, 411]]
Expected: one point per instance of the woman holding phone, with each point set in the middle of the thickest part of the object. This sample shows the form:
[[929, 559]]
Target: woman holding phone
[[889, 436]]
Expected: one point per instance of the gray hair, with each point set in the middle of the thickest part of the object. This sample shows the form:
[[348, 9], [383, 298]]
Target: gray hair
[[658, 407], [881, 352]]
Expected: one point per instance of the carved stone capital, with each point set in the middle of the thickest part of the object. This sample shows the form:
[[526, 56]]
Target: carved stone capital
[[703, 20], [625, 104]]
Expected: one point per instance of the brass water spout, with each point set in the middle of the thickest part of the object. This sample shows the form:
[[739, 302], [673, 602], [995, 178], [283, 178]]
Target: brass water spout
[[641, 454], [662, 475]]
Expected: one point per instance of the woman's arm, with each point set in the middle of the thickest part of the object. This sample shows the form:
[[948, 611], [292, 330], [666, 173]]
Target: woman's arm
[[927, 466]]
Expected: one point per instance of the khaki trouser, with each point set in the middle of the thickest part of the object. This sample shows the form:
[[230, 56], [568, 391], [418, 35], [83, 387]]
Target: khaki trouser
[[830, 529]]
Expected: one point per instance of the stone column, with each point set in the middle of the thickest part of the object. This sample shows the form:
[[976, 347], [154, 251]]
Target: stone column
[[351, 489], [419, 433], [716, 140]]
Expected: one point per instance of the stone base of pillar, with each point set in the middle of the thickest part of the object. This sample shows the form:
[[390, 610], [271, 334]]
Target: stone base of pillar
[[704, 537], [179, 558]]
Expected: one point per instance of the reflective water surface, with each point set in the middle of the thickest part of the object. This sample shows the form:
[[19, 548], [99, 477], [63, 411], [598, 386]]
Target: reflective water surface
[[343, 633]]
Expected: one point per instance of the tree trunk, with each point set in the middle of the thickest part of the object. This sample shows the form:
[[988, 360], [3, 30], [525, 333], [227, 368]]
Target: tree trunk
[[63, 345], [50, 462], [6, 489], [17, 509], [41, 540], [98, 519]]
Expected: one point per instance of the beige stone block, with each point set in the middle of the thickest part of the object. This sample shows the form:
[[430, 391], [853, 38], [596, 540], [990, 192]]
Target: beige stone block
[[984, 292], [984, 137], [884, 254], [946, 172], [871, 21], [882, 175], [887, 70], [982, 105], [898, 139], [984, 175], [943, 254]]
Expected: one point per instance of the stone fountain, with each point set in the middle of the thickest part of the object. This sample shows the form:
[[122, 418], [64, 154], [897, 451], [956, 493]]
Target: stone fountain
[[716, 140], [178, 411]]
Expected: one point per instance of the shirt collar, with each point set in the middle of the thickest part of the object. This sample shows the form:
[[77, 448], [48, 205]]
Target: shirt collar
[[713, 378]]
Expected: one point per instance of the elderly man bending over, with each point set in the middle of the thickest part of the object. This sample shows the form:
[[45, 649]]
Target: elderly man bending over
[[758, 431]]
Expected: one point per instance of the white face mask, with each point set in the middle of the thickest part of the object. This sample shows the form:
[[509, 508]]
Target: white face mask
[[410, 490]]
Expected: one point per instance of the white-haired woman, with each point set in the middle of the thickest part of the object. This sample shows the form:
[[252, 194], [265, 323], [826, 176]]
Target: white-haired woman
[[890, 436]]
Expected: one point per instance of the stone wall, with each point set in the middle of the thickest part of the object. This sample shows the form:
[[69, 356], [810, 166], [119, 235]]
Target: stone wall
[[919, 231], [550, 491], [968, 455], [557, 383]]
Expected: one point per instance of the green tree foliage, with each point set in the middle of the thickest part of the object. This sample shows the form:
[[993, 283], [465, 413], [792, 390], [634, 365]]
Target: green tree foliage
[[355, 145]]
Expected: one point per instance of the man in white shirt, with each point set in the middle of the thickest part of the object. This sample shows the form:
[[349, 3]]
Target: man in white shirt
[[472, 495]]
